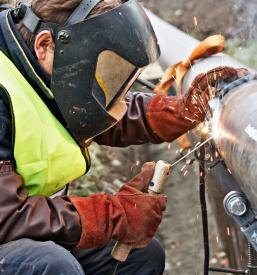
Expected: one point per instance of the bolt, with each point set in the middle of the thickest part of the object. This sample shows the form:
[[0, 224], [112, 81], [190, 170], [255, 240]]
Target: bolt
[[64, 37], [236, 206]]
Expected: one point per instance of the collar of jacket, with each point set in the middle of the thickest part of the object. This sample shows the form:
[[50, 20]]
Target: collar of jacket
[[12, 44]]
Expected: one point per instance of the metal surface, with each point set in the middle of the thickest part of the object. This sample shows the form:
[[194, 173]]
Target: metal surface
[[235, 136]]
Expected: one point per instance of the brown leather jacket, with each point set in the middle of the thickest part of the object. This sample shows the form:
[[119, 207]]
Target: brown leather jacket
[[56, 219]]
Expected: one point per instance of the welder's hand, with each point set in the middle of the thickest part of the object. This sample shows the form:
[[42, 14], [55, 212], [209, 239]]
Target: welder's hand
[[130, 216], [142, 180], [172, 116]]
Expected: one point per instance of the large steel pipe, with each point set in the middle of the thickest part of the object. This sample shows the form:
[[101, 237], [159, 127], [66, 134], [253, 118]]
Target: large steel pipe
[[235, 136]]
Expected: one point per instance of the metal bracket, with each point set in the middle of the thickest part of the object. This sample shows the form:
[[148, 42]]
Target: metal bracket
[[238, 207]]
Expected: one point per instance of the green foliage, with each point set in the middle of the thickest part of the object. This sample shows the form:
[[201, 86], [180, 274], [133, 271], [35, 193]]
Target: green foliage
[[247, 53]]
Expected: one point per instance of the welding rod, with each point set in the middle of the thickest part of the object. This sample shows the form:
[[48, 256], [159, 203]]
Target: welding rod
[[162, 171]]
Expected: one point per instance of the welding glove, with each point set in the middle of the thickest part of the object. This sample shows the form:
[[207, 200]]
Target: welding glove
[[172, 116], [130, 216]]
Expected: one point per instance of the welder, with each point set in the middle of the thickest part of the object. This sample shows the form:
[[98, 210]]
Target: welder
[[66, 68]]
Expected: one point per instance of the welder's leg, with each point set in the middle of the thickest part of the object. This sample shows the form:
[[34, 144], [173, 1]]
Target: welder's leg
[[148, 261], [27, 257]]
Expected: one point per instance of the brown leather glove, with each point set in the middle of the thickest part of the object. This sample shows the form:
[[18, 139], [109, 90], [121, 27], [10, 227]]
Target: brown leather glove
[[130, 216], [172, 116]]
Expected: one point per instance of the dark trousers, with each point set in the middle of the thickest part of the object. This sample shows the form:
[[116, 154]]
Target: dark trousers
[[28, 257]]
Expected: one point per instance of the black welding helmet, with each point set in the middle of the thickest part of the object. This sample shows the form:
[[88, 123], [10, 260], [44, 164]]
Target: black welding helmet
[[95, 63]]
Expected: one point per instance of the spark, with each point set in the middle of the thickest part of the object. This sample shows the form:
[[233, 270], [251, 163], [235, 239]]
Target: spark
[[183, 168], [229, 171], [191, 120], [172, 108], [195, 21], [217, 239], [228, 231], [198, 143], [137, 163], [185, 173]]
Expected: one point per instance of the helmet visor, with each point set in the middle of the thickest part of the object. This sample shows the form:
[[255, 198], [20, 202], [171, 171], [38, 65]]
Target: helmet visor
[[111, 77]]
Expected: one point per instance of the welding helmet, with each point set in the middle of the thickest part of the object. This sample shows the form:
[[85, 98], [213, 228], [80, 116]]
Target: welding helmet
[[96, 61]]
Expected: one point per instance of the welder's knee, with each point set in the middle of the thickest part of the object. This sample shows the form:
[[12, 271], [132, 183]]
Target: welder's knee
[[26, 256], [149, 260], [156, 257]]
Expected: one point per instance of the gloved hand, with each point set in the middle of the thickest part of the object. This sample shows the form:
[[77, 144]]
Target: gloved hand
[[130, 216], [172, 116]]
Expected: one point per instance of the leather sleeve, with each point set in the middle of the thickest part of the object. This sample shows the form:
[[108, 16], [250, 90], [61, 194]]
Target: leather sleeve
[[37, 217], [133, 129]]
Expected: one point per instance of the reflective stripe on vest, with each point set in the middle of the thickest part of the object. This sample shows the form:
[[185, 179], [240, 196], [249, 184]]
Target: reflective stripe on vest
[[46, 155]]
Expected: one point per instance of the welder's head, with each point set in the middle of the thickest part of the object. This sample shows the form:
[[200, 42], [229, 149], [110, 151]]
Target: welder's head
[[95, 50]]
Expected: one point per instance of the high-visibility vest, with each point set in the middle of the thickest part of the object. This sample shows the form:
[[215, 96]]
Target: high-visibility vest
[[46, 155]]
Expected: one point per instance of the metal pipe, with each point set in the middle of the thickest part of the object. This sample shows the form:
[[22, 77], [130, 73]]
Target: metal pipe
[[235, 136]]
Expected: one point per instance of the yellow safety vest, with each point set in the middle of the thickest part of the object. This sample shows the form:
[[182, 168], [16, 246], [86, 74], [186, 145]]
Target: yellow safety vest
[[46, 155]]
